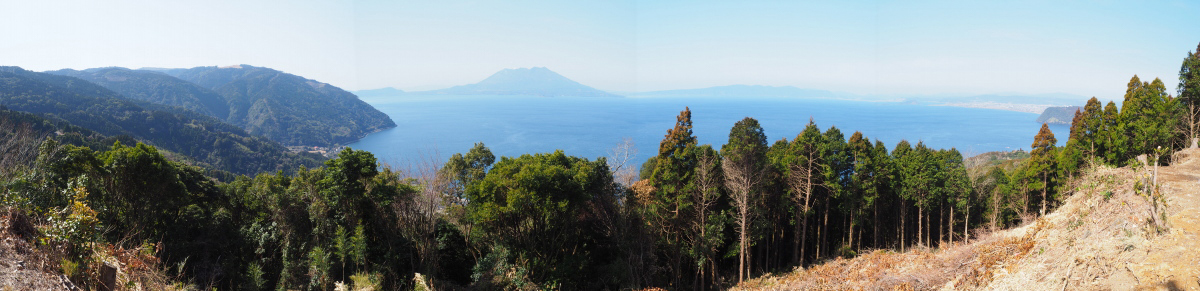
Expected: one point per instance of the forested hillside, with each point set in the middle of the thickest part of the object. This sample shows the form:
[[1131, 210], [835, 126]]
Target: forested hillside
[[155, 87], [288, 108], [204, 139], [698, 217]]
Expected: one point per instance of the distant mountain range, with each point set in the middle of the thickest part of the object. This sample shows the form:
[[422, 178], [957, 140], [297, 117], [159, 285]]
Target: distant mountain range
[[537, 81], [283, 107]]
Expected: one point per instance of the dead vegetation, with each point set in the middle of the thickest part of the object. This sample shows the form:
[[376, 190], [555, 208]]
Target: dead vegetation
[[1117, 229], [27, 264]]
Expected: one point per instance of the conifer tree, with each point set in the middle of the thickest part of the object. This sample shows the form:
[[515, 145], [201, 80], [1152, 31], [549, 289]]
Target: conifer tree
[[802, 180], [880, 190], [1041, 161], [902, 173], [955, 185], [834, 174], [1189, 94], [1116, 140], [859, 150], [1091, 124], [1149, 115], [744, 166], [667, 210]]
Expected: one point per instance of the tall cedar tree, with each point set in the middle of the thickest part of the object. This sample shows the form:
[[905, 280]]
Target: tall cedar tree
[[1188, 92], [744, 166], [1116, 141], [879, 191], [956, 186], [802, 180], [1041, 160], [854, 199], [835, 175], [668, 209], [900, 185], [1092, 123]]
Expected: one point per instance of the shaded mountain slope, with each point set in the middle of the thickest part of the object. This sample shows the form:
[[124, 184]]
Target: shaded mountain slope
[[202, 138], [288, 108], [156, 88]]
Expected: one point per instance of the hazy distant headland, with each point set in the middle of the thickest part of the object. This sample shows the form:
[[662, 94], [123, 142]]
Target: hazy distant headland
[[1059, 115]]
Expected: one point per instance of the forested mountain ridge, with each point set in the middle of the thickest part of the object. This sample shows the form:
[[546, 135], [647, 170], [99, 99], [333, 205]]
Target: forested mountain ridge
[[87, 105], [287, 108], [536, 81], [155, 87]]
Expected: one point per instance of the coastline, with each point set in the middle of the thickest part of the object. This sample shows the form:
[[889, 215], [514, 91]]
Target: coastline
[[1026, 108]]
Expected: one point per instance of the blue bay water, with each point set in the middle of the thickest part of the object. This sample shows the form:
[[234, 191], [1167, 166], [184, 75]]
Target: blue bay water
[[439, 126]]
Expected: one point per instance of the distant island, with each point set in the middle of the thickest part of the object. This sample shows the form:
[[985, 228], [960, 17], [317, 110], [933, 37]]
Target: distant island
[[1036, 103], [381, 92], [536, 81], [1058, 115], [744, 91]]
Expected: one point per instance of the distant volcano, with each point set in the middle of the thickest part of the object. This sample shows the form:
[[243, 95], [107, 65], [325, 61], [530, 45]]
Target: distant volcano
[[537, 81]]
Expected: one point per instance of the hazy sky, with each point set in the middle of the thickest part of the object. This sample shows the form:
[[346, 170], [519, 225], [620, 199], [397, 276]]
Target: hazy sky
[[867, 47]]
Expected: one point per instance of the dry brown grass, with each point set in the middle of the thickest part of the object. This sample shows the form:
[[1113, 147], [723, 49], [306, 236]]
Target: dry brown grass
[[26, 264]]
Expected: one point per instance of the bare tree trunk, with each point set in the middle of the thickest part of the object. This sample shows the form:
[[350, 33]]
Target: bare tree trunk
[[742, 177], [941, 219], [995, 207], [967, 224], [824, 229], [742, 248], [904, 217], [950, 226], [803, 240], [799, 233], [920, 224], [800, 181], [875, 222], [852, 231], [1044, 186]]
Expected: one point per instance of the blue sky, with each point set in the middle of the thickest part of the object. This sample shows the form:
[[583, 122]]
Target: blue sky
[[866, 47]]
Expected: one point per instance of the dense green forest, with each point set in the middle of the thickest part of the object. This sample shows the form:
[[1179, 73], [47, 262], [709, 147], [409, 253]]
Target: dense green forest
[[283, 107], [208, 141], [695, 217], [288, 108], [155, 87]]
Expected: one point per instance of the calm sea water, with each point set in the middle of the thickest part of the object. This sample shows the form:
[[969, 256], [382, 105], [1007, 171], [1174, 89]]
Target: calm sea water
[[439, 126]]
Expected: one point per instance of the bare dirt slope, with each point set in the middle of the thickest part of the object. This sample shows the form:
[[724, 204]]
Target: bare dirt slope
[[1113, 233], [22, 265]]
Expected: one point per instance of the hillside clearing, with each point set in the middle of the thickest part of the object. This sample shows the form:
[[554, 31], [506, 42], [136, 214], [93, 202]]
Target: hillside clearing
[[1108, 234]]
